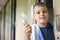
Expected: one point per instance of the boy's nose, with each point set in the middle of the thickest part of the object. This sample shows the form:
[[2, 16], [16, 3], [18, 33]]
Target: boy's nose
[[41, 13]]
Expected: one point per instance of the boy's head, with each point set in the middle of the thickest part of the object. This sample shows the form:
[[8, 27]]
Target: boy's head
[[41, 14]]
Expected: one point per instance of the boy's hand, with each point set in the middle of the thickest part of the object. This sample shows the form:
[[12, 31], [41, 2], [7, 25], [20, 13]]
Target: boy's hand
[[28, 30]]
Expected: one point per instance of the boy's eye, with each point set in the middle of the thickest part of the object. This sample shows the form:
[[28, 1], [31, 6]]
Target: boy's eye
[[38, 12], [44, 11]]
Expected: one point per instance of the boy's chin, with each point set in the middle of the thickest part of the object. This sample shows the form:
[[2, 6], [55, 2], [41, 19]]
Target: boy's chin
[[43, 22]]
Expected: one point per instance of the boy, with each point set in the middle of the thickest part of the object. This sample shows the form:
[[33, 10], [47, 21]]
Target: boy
[[44, 30]]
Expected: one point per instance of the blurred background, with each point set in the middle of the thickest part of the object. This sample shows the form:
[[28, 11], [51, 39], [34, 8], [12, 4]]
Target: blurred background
[[12, 12], [7, 19]]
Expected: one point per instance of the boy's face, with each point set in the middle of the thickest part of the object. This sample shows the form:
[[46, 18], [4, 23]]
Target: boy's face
[[41, 14]]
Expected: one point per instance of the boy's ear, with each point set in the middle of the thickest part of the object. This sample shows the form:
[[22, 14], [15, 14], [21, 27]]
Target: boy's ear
[[34, 16], [48, 15]]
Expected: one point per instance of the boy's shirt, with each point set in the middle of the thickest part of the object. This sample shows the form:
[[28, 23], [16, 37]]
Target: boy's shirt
[[42, 34]]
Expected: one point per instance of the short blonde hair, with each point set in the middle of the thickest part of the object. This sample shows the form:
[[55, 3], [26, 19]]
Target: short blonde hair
[[39, 4]]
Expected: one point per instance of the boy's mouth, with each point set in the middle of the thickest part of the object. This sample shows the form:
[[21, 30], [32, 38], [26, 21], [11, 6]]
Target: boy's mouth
[[42, 17]]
